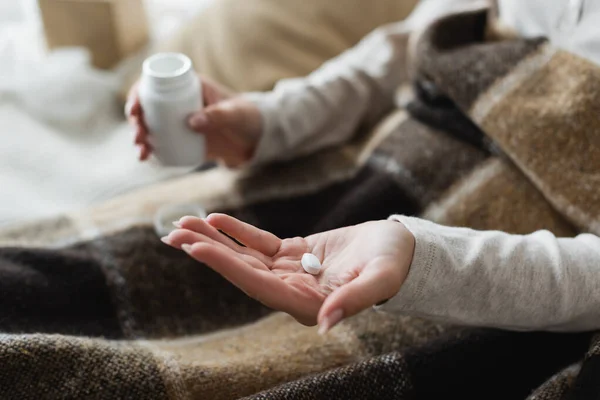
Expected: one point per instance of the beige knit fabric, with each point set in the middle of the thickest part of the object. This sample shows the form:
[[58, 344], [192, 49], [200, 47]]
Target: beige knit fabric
[[251, 44]]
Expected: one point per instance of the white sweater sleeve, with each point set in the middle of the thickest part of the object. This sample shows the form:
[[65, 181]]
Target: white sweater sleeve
[[494, 279], [303, 115]]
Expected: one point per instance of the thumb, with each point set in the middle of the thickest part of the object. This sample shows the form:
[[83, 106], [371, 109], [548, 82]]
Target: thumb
[[216, 117], [372, 286], [201, 122]]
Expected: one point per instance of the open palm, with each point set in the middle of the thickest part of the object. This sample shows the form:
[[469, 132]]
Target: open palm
[[362, 264]]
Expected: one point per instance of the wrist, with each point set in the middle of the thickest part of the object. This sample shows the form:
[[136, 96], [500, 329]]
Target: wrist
[[408, 243], [251, 127], [405, 242], [416, 262], [269, 144], [424, 255]]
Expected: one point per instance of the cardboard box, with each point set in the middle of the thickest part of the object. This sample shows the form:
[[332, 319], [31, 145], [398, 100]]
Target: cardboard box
[[110, 29]]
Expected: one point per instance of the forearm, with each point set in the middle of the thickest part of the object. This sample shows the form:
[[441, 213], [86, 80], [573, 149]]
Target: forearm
[[303, 115], [494, 279], [357, 88]]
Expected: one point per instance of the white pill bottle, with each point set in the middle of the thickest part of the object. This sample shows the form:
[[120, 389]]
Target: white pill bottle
[[169, 92]]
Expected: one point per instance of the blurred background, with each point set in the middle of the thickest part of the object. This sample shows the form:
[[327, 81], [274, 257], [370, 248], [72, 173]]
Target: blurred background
[[64, 143], [66, 66]]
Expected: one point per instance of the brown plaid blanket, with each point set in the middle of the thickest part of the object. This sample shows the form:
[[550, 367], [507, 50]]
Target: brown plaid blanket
[[499, 134]]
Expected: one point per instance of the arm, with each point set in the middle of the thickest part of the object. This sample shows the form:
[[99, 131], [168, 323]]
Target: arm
[[326, 108], [491, 278], [482, 278], [304, 115]]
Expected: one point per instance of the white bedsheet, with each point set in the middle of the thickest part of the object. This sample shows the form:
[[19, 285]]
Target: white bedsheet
[[44, 172], [63, 142]]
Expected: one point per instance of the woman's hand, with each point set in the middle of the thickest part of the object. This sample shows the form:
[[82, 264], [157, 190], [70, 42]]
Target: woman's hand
[[361, 265], [231, 124]]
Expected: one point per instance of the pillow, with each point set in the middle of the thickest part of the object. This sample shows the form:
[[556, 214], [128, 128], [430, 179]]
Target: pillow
[[251, 44]]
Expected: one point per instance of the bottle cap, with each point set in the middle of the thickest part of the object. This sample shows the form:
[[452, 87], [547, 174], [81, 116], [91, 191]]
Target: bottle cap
[[167, 70]]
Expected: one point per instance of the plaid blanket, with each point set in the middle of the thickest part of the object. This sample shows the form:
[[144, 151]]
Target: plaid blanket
[[500, 134]]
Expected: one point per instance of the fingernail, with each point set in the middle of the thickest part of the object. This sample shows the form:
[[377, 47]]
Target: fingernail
[[186, 247], [177, 224], [330, 321], [165, 240], [197, 121]]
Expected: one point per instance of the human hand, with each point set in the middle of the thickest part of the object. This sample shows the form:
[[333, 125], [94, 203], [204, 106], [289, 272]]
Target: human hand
[[230, 124], [361, 265]]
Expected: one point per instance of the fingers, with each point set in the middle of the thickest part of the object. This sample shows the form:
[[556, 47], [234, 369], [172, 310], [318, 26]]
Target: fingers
[[198, 225], [137, 120], [215, 118], [249, 235], [141, 134], [141, 140], [144, 152], [218, 135], [369, 288], [180, 237], [193, 229], [133, 107], [231, 115], [231, 127], [135, 115], [258, 284]]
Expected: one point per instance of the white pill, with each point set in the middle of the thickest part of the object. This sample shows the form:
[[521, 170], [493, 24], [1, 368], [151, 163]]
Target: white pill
[[311, 264]]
